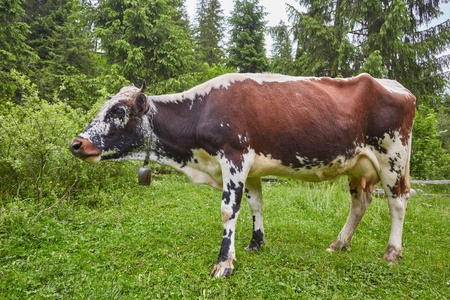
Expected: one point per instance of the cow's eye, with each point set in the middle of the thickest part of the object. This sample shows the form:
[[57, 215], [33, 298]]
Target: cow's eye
[[118, 112]]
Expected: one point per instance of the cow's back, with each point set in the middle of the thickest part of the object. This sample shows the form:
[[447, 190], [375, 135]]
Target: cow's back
[[312, 118]]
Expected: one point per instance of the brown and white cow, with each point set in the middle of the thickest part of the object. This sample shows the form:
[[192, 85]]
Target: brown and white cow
[[236, 128]]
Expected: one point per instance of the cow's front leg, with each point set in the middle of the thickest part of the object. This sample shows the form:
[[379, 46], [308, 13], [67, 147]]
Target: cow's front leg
[[231, 203], [253, 193], [235, 168]]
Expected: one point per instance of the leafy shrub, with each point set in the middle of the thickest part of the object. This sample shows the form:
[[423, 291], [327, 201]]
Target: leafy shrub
[[35, 162], [428, 160], [214, 71]]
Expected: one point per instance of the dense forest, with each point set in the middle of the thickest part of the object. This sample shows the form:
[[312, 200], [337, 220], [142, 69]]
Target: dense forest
[[60, 58]]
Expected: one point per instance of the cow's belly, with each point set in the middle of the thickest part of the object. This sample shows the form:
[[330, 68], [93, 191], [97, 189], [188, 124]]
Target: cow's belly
[[364, 164], [205, 168]]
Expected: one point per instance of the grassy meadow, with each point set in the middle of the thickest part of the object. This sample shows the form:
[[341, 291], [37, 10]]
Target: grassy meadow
[[162, 241]]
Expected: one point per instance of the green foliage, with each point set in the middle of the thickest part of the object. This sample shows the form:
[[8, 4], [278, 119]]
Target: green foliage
[[409, 55], [443, 115], [246, 51], [61, 34], [173, 85], [144, 40], [322, 46], [428, 160], [209, 31], [374, 65], [14, 52], [35, 164], [281, 61], [82, 91], [210, 72]]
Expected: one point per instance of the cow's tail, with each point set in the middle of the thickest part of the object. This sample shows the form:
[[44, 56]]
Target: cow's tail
[[407, 173]]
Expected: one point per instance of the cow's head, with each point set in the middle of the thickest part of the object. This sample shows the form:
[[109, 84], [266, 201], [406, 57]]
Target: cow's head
[[119, 131]]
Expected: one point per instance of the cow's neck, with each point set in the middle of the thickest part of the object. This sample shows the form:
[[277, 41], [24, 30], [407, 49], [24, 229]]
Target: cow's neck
[[174, 124]]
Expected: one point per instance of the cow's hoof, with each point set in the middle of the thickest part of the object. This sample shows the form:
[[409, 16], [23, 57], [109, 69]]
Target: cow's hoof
[[337, 246], [254, 246], [251, 248], [331, 250], [223, 269], [392, 255]]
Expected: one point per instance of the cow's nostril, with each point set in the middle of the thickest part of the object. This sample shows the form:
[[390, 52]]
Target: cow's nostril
[[84, 149], [75, 147]]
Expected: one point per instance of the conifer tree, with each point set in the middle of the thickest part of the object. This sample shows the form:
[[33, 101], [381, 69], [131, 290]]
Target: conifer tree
[[209, 31], [146, 40], [61, 35], [281, 61], [247, 51], [409, 54], [320, 34], [14, 52]]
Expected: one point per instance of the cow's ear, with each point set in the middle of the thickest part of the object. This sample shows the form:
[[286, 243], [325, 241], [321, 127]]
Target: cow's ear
[[141, 105]]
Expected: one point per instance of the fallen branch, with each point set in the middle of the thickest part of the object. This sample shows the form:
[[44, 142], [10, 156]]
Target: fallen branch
[[56, 203]]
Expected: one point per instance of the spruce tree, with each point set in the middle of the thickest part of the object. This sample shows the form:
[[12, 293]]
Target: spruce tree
[[320, 35], [147, 40], [14, 52], [247, 49], [409, 54], [281, 61], [209, 31], [61, 35]]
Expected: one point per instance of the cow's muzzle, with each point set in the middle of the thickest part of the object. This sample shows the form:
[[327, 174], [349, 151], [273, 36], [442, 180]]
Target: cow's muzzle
[[84, 149]]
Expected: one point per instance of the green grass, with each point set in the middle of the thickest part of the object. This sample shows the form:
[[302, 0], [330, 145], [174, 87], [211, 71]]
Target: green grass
[[162, 242]]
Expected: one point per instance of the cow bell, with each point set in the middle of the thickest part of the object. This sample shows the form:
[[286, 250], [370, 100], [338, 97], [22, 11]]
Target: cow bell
[[145, 176]]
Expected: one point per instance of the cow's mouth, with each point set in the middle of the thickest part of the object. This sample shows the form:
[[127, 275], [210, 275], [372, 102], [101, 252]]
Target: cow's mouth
[[84, 149], [110, 155]]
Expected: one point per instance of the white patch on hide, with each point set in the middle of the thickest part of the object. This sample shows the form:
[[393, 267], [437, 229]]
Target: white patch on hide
[[394, 87], [395, 151]]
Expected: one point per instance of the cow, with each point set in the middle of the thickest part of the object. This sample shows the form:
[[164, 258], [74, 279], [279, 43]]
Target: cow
[[232, 130]]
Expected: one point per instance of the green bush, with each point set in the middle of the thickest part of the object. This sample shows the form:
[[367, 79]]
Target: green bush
[[35, 162], [428, 160]]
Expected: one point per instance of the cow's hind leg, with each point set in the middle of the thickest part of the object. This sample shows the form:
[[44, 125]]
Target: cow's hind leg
[[253, 193], [397, 192], [397, 210], [396, 183], [361, 198]]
